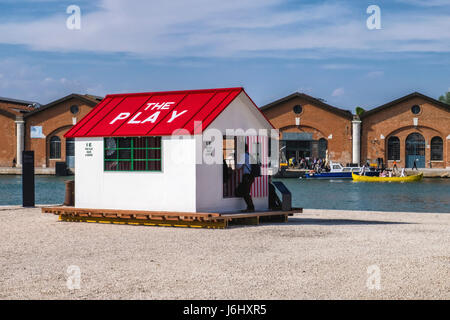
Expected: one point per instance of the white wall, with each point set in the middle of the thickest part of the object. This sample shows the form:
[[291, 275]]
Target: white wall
[[173, 189], [239, 114]]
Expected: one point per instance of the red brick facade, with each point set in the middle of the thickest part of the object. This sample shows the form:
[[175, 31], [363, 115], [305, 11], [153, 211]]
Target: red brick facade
[[55, 119], [316, 117], [397, 119], [10, 111], [378, 125], [8, 139]]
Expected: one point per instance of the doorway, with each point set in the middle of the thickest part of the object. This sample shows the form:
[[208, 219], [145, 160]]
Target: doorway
[[70, 153], [415, 150]]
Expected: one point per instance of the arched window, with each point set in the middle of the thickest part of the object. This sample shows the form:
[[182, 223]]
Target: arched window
[[74, 109], [323, 146], [437, 149], [393, 148], [415, 150], [55, 147]]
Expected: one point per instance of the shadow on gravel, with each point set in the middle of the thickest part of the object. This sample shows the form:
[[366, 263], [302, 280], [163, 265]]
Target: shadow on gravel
[[337, 222]]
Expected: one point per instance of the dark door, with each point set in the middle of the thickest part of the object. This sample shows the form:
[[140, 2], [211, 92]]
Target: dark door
[[70, 153], [415, 150]]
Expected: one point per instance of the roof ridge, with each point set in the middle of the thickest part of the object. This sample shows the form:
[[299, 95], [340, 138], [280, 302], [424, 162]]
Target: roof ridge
[[57, 101], [403, 98], [343, 112]]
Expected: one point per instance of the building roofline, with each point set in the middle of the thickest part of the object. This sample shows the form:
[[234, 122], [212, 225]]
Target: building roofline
[[404, 98], [342, 112], [18, 101], [94, 97], [7, 114], [87, 99]]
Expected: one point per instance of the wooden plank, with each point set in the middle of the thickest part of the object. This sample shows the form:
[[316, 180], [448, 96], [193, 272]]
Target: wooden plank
[[279, 218], [245, 221], [220, 224], [62, 209]]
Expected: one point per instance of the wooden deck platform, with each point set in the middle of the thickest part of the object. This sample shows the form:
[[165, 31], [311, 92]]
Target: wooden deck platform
[[168, 219]]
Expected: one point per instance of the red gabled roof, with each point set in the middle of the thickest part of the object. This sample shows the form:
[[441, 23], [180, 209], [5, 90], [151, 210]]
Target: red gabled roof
[[154, 113]]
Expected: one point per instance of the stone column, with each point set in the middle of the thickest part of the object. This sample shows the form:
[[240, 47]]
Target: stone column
[[356, 141], [20, 135]]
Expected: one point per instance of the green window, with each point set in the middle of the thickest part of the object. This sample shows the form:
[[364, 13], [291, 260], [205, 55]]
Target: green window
[[132, 154]]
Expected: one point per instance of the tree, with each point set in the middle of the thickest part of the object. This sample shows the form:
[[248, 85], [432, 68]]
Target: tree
[[445, 98], [359, 111]]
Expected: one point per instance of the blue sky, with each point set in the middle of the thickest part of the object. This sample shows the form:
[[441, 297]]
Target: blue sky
[[271, 47]]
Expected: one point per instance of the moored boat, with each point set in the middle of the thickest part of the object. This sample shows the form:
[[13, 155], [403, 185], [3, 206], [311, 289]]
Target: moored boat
[[412, 178], [337, 171]]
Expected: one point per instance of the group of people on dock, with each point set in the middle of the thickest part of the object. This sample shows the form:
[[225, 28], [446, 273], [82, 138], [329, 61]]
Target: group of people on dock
[[316, 164]]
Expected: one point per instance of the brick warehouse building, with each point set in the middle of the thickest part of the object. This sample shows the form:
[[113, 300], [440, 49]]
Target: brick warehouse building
[[414, 127], [11, 120], [28, 127], [309, 127]]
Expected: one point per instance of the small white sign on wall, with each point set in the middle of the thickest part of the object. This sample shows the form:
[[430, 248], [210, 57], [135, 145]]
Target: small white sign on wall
[[36, 132], [88, 149]]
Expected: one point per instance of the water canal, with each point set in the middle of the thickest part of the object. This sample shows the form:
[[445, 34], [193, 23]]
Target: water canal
[[429, 195]]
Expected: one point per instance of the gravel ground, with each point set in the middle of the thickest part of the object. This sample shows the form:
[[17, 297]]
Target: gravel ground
[[320, 254]]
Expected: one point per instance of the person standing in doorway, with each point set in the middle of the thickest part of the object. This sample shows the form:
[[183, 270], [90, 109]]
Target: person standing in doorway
[[415, 164], [247, 180], [395, 166]]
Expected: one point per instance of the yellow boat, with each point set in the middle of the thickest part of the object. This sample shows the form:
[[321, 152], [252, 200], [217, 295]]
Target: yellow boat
[[416, 177]]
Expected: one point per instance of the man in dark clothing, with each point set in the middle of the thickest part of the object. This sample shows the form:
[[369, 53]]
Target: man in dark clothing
[[414, 165], [247, 180]]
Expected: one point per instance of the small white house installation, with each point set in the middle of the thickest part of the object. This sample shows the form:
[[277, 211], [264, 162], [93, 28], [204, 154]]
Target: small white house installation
[[124, 152]]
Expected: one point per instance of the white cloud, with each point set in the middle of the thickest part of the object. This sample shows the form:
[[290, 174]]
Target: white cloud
[[340, 66], [31, 83], [217, 28], [375, 74], [338, 92], [426, 3]]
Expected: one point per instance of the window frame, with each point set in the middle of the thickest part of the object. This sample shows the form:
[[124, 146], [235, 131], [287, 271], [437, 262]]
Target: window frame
[[394, 153], [77, 107], [418, 112], [132, 150], [51, 141], [441, 147], [298, 109]]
